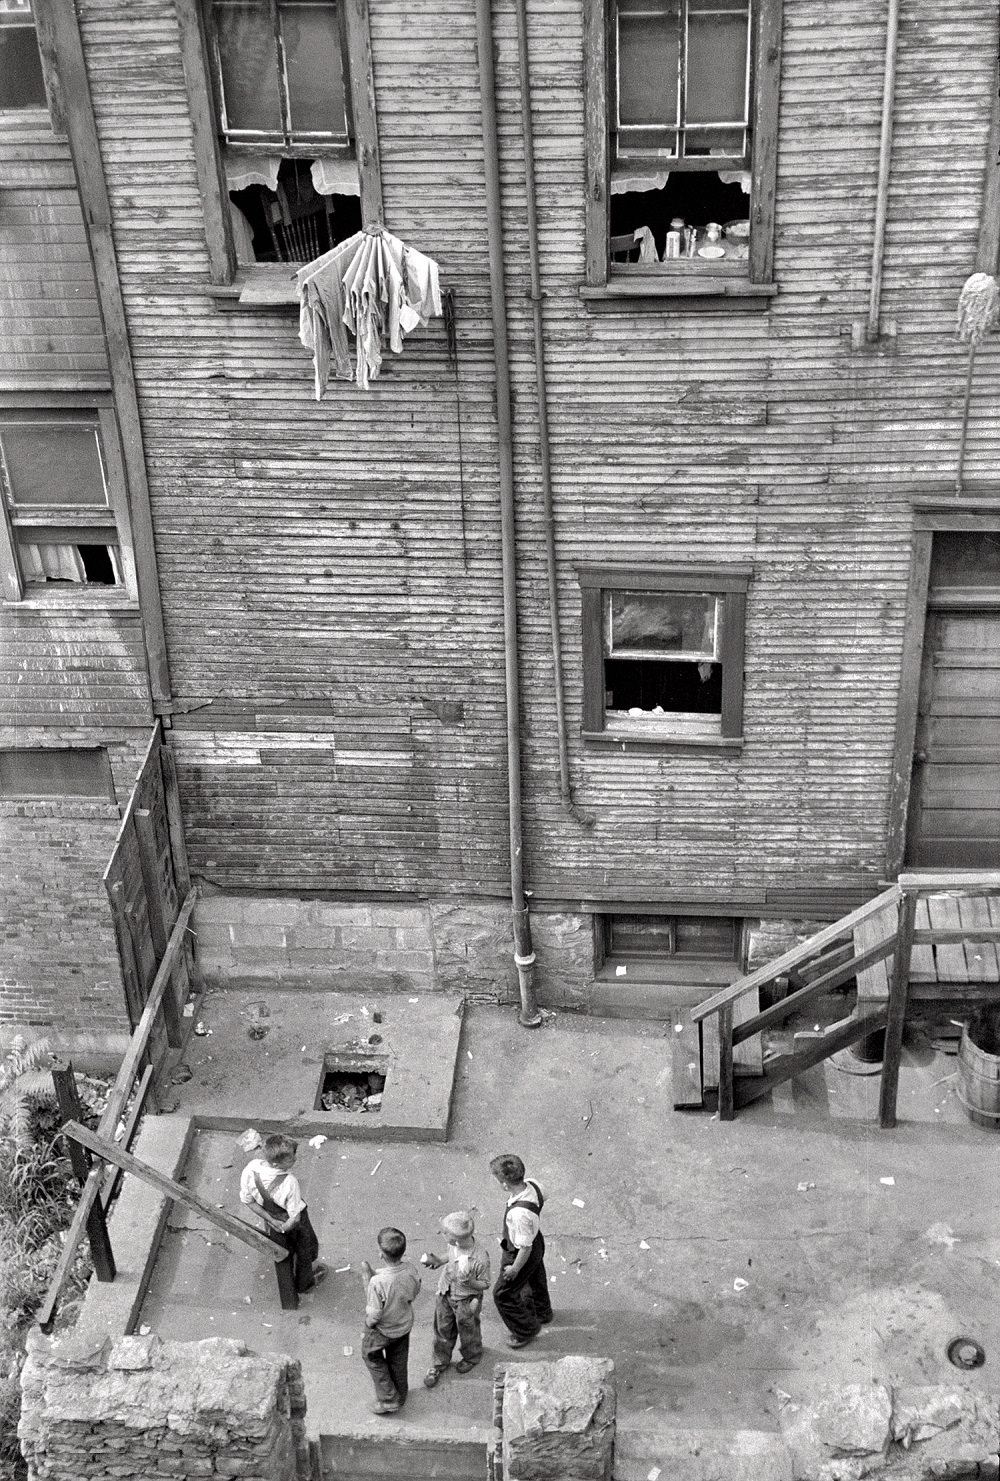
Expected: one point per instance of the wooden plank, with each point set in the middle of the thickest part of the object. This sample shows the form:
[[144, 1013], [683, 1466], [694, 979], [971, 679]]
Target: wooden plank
[[175, 821], [152, 883], [940, 881], [765, 140], [899, 989], [950, 935], [129, 1067], [74, 1234], [70, 1109], [873, 981], [63, 32], [988, 246], [922, 964], [212, 184], [727, 1102], [778, 1012], [685, 1071], [362, 81], [748, 1053], [980, 951], [790, 1065], [949, 955], [710, 1052], [136, 1109], [797, 954], [733, 644], [907, 702], [108, 1151], [596, 131]]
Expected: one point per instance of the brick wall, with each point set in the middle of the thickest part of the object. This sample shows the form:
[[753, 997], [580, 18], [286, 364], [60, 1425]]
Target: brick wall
[[184, 1409]]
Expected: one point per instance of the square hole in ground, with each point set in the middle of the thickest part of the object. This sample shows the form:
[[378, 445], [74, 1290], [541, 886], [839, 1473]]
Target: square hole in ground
[[351, 1082]]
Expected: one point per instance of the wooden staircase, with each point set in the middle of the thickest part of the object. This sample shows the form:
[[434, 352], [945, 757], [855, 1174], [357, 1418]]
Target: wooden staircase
[[929, 937]]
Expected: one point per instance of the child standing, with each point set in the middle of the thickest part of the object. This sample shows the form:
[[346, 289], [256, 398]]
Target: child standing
[[268, 1186], [390, 1293], [465, 1275]]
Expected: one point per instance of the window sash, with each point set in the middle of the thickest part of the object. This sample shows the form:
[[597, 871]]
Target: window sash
[[47, 426], [668, 141], [288, 135]]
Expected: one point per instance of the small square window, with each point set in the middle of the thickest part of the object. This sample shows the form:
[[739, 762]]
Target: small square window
[[34, 775], [22, 84], [663, 653], [63, 503]]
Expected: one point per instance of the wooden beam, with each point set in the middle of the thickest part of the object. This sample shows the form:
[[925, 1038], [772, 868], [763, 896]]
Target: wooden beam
[[966, 882], [175, 820], [779, 967], [899, 989], [125, 1140], [988, 246], [778, 1012], [58, 20], [359, 48], [212, 183], [908, 700], [108, 1151], [70, 1109], [137, 1044], [91, 1192], [767, 87], [727, 1102], [790, 1065], [596, 128], [945, 937]]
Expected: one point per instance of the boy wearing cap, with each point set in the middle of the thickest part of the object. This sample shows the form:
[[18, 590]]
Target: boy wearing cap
[[465, 1275]]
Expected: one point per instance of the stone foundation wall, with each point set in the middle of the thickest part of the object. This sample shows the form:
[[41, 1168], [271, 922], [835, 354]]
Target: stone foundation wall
[[178, 1410]]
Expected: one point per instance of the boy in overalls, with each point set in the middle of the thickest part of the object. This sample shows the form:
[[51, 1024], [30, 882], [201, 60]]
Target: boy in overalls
[[465, 1276], [521, 1292], [268, 1186]]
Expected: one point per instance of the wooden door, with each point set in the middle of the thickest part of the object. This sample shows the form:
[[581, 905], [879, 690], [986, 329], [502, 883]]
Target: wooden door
[[954, 812]]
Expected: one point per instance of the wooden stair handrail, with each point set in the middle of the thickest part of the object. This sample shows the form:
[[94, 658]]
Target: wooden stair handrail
[[797, 954], [969, 881]]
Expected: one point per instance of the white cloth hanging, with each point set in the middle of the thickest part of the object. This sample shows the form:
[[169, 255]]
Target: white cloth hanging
[[373, 285]]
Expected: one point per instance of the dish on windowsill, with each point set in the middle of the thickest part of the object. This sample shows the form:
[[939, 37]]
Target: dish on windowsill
[[739, 231], [712, 251]]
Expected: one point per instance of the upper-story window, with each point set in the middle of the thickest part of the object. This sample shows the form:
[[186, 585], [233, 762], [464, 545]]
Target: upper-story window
[[21, 82], [682, 121], [63, 524]]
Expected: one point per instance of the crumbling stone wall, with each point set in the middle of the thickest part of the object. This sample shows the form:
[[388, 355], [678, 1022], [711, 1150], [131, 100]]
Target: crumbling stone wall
[[177, 1410]]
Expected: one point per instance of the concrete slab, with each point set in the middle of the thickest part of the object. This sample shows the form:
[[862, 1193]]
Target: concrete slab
[[889, 1250], [271, 1082]]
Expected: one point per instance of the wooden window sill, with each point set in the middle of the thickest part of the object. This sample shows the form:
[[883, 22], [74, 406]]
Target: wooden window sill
[[661, 740], [266, 285], [665, 292], [669, 971], [74, 603]]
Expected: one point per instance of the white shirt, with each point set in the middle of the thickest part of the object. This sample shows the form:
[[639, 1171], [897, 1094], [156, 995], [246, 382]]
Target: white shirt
[[281, 1187], [523, 1223]]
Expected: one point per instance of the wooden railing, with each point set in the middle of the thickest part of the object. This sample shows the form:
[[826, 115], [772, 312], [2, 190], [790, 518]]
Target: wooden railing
[[887, 924]]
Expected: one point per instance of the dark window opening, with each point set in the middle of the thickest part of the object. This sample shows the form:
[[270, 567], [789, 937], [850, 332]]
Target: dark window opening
[[294, 223], [676, 687], [692, 198], [45, 562], [21, 81], [711, 937], [54, 773], [99, 568]]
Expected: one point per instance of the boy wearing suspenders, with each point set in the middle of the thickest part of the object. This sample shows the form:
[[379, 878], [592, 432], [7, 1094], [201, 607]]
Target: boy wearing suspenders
[[521, 1292]]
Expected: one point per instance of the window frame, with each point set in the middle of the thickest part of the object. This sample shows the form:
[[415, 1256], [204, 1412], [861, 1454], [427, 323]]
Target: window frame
[[106, 778], [46, 118], [65, 520], [206, 125], [729, 584], [757, 279]]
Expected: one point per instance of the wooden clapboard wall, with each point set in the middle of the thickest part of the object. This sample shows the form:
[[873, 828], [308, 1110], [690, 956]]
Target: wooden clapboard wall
[[335, 645]]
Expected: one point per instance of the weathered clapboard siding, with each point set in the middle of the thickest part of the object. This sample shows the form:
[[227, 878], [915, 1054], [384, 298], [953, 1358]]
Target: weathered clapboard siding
[[69, 666], [311, 557]]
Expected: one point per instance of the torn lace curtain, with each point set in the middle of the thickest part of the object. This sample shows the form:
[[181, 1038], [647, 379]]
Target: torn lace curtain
[[372, 285]]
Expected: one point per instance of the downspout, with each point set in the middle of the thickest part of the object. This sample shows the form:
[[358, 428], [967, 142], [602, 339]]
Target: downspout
[[884, 156], [524, 957], [545, 461]]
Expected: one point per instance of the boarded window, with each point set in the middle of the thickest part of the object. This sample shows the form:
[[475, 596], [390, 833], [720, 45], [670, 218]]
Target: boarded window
[[710, 937], [21, 81], [58, 520], [49, 772]]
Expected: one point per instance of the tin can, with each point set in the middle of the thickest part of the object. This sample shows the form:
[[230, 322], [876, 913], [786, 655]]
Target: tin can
[[690, 238], [672, 247]]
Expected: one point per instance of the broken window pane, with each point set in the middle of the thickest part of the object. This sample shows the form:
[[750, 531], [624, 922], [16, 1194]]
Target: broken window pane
[[664, 623], [248, 63], [671, 688], [314, 67], [21, 83], [85, 563], [295, 222], [53, 463]]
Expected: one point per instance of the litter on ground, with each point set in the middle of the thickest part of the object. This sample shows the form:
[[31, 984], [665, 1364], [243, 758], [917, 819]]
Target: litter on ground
[[739, 1284]]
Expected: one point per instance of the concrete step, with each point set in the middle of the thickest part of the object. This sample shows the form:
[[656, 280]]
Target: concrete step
[[380, 1458], [700, 1455]]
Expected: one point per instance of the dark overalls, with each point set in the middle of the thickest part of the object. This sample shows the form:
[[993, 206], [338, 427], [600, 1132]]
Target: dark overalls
[[300, 1241], [523, 1303]]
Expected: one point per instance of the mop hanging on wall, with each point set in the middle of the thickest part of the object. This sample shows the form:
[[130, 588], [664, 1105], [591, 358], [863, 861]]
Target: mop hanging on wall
[[978, 312], [373, 285]]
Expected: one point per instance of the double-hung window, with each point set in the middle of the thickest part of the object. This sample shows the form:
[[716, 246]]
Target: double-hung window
[[682, 126], [64, 520], [663, 653], [282, 103]]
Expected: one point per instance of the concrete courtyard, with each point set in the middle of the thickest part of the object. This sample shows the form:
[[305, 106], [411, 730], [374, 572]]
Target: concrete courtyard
[[863, 1252]]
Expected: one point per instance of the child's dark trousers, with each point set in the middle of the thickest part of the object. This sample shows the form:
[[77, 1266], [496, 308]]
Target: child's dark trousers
[[386, 1361]]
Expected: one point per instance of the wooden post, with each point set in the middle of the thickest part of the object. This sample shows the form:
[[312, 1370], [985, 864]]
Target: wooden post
[[899, 991], [175, 821], [287, 1294], [727, 1098], [70, 1109], [152, 884]]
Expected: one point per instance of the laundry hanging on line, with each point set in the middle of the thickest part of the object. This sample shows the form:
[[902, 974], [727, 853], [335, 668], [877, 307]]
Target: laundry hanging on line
[[374, 285]]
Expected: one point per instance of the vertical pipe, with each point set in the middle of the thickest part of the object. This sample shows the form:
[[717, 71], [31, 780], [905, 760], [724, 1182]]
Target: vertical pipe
[[884, 156], [524, 957], [544, 454]]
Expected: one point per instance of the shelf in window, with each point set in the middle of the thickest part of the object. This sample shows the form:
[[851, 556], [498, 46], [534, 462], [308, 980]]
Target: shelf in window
[[659, 739]]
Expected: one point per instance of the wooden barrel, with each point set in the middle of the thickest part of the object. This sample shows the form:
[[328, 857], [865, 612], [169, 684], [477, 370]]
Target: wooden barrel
[[979, 1069]]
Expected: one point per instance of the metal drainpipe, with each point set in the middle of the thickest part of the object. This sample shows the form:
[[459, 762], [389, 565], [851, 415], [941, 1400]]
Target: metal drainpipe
[[524, 957], [884, 156], [535, 294]]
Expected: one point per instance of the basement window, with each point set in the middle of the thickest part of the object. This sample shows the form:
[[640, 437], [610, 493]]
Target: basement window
[[63, 515], [663, 653], [50, 772], [702, 937]]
